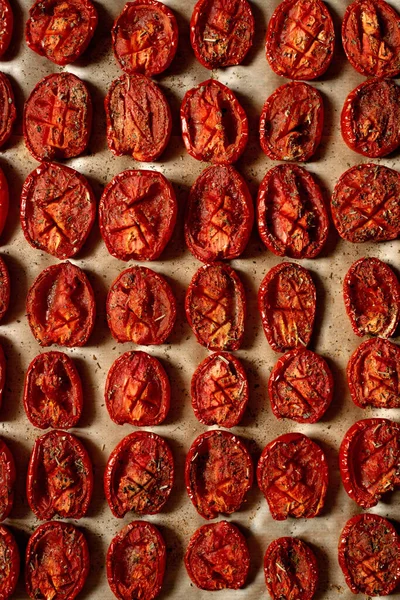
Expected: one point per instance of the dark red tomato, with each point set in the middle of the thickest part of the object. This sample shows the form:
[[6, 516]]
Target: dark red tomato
[[292, 473], [215, 307], [60, 477], [219, 215], [300, 386], [58, 209], [291, 213], [2, 373], [137, 390], [58, 117], [145, 37], [138, 118], [286, 301], [59, 30], [4, 200], [7, 480], [214, 125], [136, 560], [9, 563], [137, 215], [370, 118], [300, 39], [6, 25], [56, 562], [217, 557], [60, 306], [139, 475], [141, 307], [218, 473], [8, 112], [290, 569], [220, 390], [53, 394], [372, 298], [4, 289], [369, 555]]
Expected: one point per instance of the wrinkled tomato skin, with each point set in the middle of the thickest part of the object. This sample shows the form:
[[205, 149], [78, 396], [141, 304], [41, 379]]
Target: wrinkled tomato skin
[[225, 541], [5, 289], [4, 201], [9, 563], [7, 480], [3, 369], [6, 25], [143, 577], [8, 112]]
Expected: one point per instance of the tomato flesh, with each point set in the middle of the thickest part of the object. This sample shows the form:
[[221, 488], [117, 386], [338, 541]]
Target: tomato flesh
[[9, 563], [6, 25], [7, 480], [4, 289], [8, 112], [4, 200]]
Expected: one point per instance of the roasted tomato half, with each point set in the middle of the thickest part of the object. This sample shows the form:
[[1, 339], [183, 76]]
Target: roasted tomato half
[[3, 369], [60, 306], [6, 25], [214, 125], [8, 112], [139, 475], [137, 215], [371, 294], [7, 480], [4, 200], [217, 557], [136, 560], [9, 563], [218, 473], [292, 473], [56, 562], [5, 289], [369, 555]]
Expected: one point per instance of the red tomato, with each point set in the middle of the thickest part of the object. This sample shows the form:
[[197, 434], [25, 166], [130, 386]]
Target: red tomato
[[58, 209], [53, 394], [136, 560], [56, 562], [214, 125], [4, 289], [145, 37], [215, 307], [6, 25], [60, 477], [60, 306], [217, 557], [369, 555], [59, 30], [291, 213], [300, 386], [58, 117], [2, 373], [220, 390], [8, 112], [218, 473], [293, 462], [137, 215], [219, 215], [300, 39], [9, 563], [137, 390], [286, 301], [7, 480], [4, 200], [372, 298], [141, 307]]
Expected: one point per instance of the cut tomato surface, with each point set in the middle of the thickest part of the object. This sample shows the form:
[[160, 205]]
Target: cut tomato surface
[[8, 112], [4, 201], [7, 480], [3, 368], [5, 289], [9, 563], [6, 25]]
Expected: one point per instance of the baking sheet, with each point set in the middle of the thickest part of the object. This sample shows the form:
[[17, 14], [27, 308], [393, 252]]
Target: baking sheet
[[253, 82]]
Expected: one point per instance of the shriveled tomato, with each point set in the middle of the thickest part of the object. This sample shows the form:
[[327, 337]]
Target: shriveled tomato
[[4, 288], [218, 473], [9, 563], [217, 557], [139, 475], [136, 560], [6, 25], [2, 372], [137, 215], [219, 215], [214, 124], [8, 112], [4, 200], [7, 480], [60, 306], [215, 307]]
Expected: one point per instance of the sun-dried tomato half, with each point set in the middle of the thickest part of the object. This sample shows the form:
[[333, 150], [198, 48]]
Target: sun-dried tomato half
[[4, 288], [369, 555], [371, 294], [53, 394], [136, 560], [60, 477], [60, 30], [218, 473], [58, 209], [7, 480], [2, 372], [290, 570], [217, 557], [215, 307], [60, 306], [6, 25], [58, 117], [291, 214], [4, 200], [300, 386], [56, 562], [214, 124], [287, 301], [8, 112], [137, 215], [9, 563], [292, 473], [141, 307], [219, 215], [139, 475]]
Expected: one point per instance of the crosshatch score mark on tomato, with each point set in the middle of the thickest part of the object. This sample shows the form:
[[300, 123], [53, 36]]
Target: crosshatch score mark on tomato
[[10, 563], [8, 112], [6, 25], [7, 480]]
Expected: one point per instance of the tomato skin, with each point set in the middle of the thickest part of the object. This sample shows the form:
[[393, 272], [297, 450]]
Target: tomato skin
[[6, 25], [5, 288], [8, 112], [4, 200], [9, 563], [3, 370], [7, 480]]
